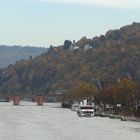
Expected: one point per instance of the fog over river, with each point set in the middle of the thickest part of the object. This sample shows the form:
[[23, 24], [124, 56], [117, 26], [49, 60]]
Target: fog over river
[[51, 122]]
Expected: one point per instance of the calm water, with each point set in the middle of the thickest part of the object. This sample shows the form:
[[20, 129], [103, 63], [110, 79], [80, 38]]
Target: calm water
[[50, 122]]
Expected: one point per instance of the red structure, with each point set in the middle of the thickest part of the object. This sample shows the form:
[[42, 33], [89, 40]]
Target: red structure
[[16, 99], [39, 100]]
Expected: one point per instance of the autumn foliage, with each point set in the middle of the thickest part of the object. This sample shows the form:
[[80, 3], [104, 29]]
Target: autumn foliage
[[109, 56], [83, 91]]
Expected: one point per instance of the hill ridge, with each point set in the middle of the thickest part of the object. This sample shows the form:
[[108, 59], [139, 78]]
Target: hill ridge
[[116, 54]]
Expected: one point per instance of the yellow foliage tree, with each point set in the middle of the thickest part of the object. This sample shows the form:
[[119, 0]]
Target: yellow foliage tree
[[83, 90], [124, 92]]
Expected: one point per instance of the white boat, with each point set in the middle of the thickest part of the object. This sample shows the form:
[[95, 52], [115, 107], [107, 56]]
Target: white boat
[[85, 110], [75, 107]]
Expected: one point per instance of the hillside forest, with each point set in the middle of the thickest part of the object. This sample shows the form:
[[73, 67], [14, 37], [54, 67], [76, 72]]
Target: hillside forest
[[114, 56]]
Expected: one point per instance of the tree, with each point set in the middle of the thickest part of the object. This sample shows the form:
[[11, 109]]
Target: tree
[[83, 91], [137, 96], [67, 44], [30, 57], [124, 92]]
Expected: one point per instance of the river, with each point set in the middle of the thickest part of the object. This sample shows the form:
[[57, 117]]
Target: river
[[51, 122]]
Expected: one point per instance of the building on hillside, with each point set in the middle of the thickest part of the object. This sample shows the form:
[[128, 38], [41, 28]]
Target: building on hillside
[[105, 85], [87, 47], [73, 46]]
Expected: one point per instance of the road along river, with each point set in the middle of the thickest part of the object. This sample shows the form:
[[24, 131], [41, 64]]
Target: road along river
[[51, 122]]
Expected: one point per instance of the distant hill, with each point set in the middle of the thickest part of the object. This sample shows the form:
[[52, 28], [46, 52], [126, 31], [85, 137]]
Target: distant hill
[[12, 54], [115, 54]]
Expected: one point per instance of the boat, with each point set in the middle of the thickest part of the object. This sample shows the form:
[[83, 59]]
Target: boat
[[75, 107], [85, 110]]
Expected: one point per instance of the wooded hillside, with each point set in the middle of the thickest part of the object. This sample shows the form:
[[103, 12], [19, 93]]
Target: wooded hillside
[[11, 54], [115, 54]]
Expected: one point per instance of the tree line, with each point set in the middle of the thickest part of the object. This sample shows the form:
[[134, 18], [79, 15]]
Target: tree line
[[126, 93]]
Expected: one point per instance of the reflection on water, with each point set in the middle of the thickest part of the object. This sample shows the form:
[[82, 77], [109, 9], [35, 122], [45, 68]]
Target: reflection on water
[[135, 130]]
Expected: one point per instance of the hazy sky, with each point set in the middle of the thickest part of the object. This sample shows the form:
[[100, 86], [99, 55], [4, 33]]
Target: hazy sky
[[46, 22]]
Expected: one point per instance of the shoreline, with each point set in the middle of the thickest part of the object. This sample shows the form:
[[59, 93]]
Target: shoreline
[[124, 118]]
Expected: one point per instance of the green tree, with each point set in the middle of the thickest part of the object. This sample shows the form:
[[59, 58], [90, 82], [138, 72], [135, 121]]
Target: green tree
[[67, 44]]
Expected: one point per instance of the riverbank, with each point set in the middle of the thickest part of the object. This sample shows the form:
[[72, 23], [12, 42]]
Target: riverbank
[[124, 118], [121, 117], [130, 119]]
